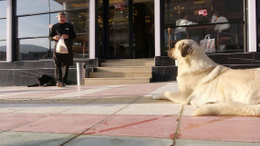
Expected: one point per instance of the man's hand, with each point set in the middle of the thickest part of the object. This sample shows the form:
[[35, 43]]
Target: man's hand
[[56, 37], [64, 36]]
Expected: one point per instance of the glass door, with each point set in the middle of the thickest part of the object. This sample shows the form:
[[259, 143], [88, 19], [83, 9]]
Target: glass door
[[119, 29], [143, 28]]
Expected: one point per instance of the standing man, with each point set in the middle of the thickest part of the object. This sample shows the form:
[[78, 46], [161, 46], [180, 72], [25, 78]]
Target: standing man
[[64, 30]]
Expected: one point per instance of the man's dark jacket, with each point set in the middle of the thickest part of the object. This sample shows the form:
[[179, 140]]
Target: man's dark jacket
[[60, 29]]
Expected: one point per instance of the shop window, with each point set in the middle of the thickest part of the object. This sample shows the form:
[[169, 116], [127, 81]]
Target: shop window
[[195, 19], [34, 49], [3, 29], [80, 46], [2, 8], [2, 50], [31, 6], [33, 26], [35, 17]]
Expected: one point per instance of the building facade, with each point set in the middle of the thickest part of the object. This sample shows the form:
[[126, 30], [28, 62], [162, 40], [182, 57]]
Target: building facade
[[112, 29]]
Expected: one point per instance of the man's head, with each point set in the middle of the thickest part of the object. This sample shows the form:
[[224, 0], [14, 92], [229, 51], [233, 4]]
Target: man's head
[[61, 17]]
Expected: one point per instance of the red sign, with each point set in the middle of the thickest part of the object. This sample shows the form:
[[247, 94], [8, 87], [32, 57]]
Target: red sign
[[203, 12], [119, 6]]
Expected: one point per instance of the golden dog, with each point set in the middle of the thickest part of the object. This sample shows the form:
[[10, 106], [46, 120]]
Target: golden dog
[[213, 88]]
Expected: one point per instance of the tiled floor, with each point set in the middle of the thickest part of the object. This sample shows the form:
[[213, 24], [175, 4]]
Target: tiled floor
[[120, 110]]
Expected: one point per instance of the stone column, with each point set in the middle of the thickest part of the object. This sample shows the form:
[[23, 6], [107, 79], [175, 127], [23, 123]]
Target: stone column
[[92, 29]]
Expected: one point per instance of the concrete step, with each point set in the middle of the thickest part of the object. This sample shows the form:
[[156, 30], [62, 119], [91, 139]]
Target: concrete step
[[115, 81], [128, 62], [124, 69], [119, 74]]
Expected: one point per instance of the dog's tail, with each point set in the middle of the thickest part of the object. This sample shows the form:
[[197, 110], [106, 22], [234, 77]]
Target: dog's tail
[[228, 109]]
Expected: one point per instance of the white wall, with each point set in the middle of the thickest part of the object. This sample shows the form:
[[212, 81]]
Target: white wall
[[9, 30], [157, 26]]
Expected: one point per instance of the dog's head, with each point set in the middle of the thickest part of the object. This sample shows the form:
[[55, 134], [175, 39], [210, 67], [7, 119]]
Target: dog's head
[[183, 49]]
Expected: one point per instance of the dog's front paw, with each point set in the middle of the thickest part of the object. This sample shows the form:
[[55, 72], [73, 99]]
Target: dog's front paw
[[158, 97]]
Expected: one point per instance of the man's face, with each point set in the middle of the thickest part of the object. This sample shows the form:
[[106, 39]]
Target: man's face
[[61, 18]]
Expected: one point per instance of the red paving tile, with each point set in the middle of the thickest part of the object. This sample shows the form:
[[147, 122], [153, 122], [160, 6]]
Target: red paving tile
[[244, 129], [137, 125], [63, 123], [9, 121], [120, 125]]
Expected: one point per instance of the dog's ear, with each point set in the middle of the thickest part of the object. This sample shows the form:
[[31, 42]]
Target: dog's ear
[[185, 49]]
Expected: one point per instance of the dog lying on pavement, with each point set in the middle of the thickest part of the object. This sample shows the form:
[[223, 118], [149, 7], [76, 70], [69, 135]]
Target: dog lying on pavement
[[214, 89], [44, 80]]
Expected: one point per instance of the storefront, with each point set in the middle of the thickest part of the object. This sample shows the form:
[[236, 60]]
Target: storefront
[[145, 28], [111, 29]]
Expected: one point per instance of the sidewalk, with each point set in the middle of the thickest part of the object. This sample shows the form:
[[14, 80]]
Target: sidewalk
[[118, 115]]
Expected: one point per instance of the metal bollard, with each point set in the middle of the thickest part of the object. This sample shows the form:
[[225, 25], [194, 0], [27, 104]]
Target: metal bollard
[[80, 73]]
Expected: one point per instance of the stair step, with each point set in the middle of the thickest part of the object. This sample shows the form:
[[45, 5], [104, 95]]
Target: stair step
[[115, 81], [121, 71], [119, 74]]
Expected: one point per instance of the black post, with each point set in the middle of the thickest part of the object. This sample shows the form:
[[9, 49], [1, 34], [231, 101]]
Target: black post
[[15, 48], [106, 48], [162, 27], [130, 17]]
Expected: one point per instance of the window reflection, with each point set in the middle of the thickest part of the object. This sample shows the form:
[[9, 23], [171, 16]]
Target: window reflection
[[57, 5], [53, 18], [3, 29], [2, 50], [3, 8], [32, 49], [33, 26], [32, 6]]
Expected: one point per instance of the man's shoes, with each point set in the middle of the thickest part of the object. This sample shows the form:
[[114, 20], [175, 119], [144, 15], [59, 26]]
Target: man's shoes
[[59, 84]]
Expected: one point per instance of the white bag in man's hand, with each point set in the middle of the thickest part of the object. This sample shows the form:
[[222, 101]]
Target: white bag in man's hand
[[208, 44], [61, 47]]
